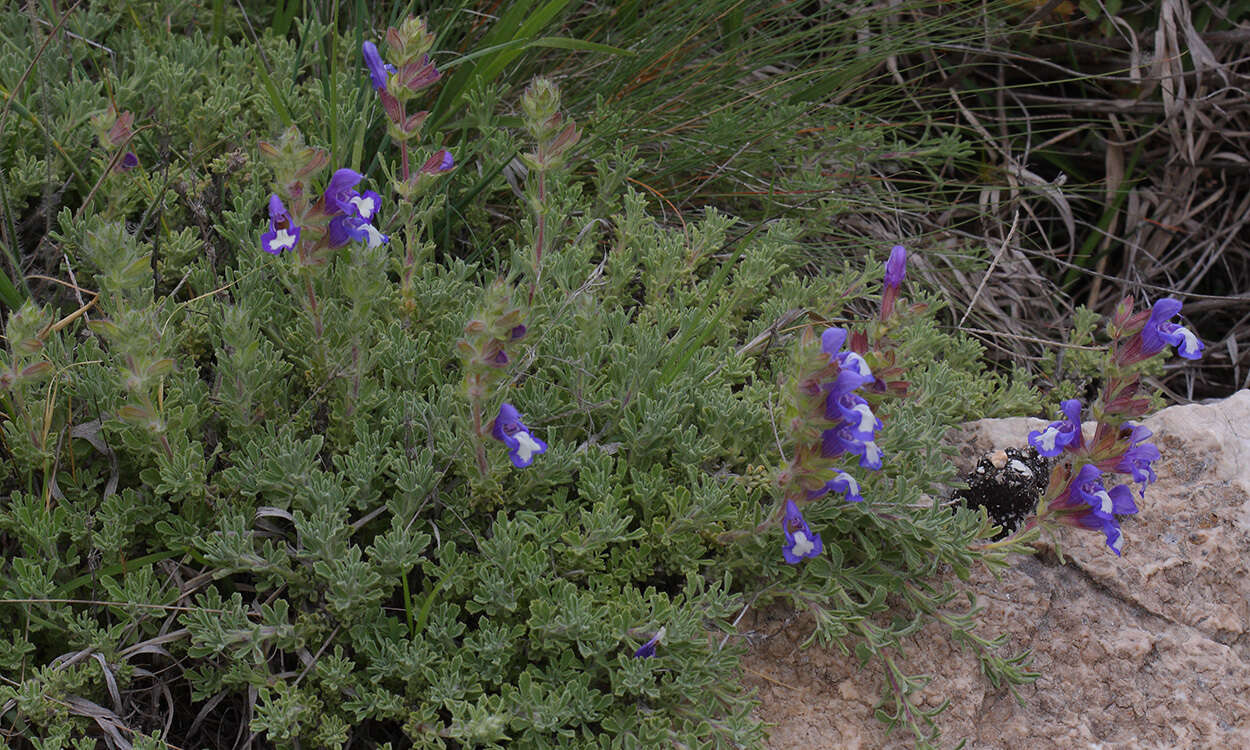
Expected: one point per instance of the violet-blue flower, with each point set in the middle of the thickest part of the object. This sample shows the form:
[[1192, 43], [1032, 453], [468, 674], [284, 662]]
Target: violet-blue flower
[[870, 455], [852, 362], [1108, 526], [856, 412], [282, 234], [843, 439], [344, 229], [896, 266], [647, 650], [1087, 488], [128, 162], [1159, 331], [846, 484], [366, 204], [1138, 458], [800, 541], [378, 70], [339, 193], [1059, 435], [512, 432]]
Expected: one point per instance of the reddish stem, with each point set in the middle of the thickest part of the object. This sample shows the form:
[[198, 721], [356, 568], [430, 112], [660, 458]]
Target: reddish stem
[[312, 306], [403, 145]]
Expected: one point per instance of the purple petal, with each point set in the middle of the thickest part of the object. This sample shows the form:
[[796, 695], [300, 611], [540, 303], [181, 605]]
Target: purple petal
[[339, 192], [377, 68], [846, 484], [831, 341], [896, 266]]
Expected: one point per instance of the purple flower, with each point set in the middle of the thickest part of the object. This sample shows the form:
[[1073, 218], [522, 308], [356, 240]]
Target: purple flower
[[852, 362], [1059, 435], [509, 430], [647, 650], [854, 371], [831, 341], [1108, 526], [366, 204], [282, 234], [1159, 332], [800, 541], [351, 211], [344, 229], [440, 162], [128, 162], [378, 70], [846, 484], [1137, 459], [1087, 488], [855, 411], [869, 455], [842, 439], [896, 266], [339, 193]]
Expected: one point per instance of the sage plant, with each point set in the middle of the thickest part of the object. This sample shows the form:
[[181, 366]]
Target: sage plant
[[310, 224]]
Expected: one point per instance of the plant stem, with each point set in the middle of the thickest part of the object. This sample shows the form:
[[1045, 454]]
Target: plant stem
[[312, 306], [478, 450]]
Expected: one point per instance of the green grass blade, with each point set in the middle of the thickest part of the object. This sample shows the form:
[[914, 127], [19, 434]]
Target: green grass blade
[[505, 47]]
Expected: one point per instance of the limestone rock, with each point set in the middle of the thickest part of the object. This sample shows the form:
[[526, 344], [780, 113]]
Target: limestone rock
[[1148, 650]]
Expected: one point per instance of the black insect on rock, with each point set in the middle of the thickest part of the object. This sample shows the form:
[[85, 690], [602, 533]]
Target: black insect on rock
[[1008, 484]]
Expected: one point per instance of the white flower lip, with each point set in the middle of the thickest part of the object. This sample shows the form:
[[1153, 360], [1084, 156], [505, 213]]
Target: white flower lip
[[526, 446], [802, 545], [282, 240]]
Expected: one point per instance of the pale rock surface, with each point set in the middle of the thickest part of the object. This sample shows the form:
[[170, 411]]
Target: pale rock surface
[[1144, 651]]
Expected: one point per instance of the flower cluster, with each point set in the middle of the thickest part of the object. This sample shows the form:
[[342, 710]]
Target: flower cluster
[[853, 427], [830, 418], [1076, 494], [348, 212], [1082, 499]]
